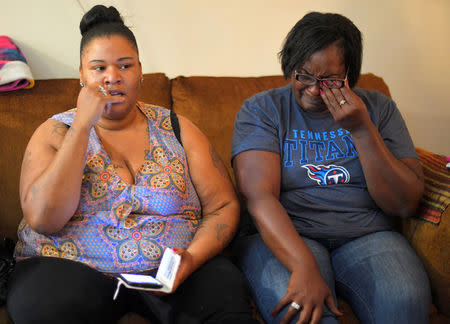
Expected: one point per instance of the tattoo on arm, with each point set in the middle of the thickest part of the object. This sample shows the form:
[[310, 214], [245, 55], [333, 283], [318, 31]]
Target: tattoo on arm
[[60, 129], [64, 131], [222, 233], [217, 162]]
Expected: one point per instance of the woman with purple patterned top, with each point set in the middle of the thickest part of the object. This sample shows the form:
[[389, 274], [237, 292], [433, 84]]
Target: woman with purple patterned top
[[106, 187]]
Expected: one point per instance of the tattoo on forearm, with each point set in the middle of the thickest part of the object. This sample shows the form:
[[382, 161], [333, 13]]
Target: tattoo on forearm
[[217, 162], [222, 233], [60, 129]]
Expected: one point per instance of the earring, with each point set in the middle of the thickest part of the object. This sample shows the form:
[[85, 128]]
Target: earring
[[142, 79], [81, 84]]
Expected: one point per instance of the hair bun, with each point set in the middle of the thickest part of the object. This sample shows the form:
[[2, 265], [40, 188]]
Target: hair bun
[[99, 14]]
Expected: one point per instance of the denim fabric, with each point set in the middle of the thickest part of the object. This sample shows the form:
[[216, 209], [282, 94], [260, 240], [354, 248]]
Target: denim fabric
[[379, 274]]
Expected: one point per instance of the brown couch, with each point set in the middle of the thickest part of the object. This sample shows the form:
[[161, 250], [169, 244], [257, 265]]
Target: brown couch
[[211, 103]]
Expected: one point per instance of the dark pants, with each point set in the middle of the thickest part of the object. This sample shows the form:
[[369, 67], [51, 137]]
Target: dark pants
[[54, 290]]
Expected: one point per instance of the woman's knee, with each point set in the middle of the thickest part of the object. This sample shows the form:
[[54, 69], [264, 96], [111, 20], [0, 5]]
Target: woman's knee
[[262, 268], [265, 274], [268, 278], [382, 275], [216, 291], [220, 274]]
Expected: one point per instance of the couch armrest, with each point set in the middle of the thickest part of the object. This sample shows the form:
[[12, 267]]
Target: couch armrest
[[429, 232]]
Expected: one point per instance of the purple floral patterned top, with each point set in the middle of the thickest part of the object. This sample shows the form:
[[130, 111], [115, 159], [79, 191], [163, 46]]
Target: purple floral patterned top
[[119, 227]]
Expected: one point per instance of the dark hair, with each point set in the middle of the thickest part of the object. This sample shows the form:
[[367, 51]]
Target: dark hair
[[316, 31], [102, 21]]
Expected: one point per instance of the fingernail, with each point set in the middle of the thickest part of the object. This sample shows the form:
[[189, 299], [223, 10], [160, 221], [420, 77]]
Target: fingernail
[[321, 92], [273, 314]]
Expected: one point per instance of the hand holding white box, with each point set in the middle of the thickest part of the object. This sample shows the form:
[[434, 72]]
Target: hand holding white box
[[166, 274]]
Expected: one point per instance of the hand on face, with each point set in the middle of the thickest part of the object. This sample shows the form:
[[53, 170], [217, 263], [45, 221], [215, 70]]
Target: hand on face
[[92, 103], [113, 63], [348, 110]]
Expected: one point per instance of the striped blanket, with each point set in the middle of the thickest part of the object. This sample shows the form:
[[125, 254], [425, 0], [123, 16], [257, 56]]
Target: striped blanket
[[436, 196]]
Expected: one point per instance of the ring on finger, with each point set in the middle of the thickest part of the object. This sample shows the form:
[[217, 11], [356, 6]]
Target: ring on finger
[[342, 102], [295, 305], [102, 90]]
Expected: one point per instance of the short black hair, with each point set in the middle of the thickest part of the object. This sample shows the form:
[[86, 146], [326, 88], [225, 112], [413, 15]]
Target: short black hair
[[316, 31], [102, 21]]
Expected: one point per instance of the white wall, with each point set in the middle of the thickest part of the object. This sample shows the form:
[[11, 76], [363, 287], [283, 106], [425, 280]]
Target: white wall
[[406, 42]]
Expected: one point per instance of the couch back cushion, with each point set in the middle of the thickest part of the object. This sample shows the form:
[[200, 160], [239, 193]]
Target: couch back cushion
[[21, 112], [156, 90], [212, 102]]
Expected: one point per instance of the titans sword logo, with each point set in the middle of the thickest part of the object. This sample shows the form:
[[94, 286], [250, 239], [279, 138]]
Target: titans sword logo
[[326, 175]]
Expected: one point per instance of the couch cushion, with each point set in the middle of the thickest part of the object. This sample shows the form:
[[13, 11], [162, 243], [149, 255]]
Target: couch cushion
[[372, 82], [156, 90], [212, 103], [21, 112]]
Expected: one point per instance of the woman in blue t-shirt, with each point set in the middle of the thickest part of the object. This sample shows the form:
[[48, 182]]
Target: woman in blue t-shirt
[[323, 168]]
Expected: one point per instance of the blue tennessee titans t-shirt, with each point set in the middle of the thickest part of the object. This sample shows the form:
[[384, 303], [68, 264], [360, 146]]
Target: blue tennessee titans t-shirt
[[322, 183]]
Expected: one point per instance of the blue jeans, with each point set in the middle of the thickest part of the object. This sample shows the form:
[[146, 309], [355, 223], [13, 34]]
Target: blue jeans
[[379, 275]]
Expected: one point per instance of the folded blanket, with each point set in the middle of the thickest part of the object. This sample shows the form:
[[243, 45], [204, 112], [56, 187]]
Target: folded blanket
[[436, 198], [14, 71]]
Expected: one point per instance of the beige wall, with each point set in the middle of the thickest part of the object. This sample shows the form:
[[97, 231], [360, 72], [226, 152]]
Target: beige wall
[[406, 42]]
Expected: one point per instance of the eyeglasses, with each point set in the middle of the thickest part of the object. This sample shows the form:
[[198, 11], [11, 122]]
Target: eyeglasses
[[309, 80]]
